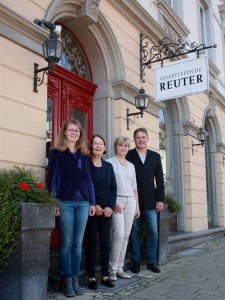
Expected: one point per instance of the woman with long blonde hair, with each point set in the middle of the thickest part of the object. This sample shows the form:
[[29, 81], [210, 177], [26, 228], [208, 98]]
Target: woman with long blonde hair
[[69, 179]]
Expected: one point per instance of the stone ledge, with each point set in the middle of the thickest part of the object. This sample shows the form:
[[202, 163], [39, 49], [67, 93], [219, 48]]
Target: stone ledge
[[183, 240]]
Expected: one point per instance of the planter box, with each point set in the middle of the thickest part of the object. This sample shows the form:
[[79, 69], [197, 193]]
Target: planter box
[[26, 275], [173, 223], [163, 236]]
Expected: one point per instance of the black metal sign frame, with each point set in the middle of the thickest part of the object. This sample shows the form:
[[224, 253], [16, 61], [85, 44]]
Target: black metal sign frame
[[165, 49]]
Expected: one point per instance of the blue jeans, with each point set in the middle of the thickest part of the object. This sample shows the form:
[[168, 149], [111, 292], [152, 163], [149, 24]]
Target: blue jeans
[[71, 223], [150, 217]]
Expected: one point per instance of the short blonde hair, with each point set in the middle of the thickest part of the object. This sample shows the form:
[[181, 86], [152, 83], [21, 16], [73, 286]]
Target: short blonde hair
[[120, 140]]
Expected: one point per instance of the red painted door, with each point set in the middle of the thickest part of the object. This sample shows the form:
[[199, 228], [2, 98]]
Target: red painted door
[[69, 96]]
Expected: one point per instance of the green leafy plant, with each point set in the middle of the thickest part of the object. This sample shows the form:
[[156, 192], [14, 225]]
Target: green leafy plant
[[17, 185], [173, 206]]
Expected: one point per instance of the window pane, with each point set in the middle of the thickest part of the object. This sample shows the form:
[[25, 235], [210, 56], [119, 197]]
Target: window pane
[[203, 25], [73, 57], [48, 128], [79, 115], [162, 140]]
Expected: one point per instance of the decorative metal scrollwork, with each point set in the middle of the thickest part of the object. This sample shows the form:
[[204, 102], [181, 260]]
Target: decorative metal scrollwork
[[135, 115], [165, 49], [73, 57]]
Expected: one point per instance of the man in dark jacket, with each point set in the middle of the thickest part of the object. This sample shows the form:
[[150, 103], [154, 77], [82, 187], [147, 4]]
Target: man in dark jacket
[[151, 196]]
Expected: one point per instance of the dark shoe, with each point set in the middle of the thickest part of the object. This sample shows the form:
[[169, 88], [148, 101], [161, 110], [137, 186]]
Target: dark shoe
[[92, 285], [135, 267], [153, 268], [68, 288], [107, 283], [76, 286]]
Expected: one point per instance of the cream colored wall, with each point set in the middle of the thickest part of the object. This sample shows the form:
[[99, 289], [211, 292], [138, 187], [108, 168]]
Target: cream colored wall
[[221, 188], [191, 18], [219, 40], [195, 171], [195, 182], [30, 9], [221, 169], [221, 121], [151, 7], [128, 38], [148, 121], [23, 112], [197, 105]]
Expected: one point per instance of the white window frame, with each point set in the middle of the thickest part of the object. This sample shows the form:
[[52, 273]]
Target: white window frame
[[203, 24]]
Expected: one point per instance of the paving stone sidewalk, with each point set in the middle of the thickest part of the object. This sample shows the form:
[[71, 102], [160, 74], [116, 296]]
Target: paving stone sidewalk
[[197, 273]]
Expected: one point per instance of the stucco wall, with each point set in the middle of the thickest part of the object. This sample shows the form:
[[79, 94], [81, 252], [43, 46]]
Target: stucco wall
[[112, 46], [23, 113], [195, 182], [30, 9]]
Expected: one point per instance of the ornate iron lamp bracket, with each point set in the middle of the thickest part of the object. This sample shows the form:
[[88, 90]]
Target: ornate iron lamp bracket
[[37, 80], [135, 115], [193, 145], [165, 49]]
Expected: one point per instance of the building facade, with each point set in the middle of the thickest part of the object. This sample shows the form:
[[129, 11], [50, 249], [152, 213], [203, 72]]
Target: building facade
[[97, 79]]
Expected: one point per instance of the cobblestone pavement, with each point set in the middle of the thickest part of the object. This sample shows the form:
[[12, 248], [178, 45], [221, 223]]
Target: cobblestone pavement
[[197, 273]]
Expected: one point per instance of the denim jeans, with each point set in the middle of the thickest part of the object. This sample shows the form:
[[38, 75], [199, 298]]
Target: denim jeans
[[71, 223], [152, 237]]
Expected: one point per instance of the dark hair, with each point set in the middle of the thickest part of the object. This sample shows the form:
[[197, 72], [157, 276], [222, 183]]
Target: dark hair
[[140, 130], [91, 142]]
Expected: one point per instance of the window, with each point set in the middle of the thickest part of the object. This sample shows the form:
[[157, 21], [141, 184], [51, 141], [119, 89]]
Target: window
[[203, 25], [206, 27], [73, 57], [162, 131], [177, 6], [48, 129], [162, 141], [170, 2]]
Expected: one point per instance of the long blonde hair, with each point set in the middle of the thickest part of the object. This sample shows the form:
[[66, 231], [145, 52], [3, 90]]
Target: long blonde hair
[[81, 144]]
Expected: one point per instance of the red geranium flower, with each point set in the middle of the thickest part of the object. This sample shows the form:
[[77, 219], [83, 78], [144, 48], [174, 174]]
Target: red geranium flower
[[39, 186], [24, 186]]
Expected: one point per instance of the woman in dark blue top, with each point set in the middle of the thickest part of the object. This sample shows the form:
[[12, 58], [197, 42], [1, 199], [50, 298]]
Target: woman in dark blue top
[[69, 179], [105, 193]]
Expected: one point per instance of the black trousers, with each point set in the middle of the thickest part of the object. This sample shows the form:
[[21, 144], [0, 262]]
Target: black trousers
[[97, 227]]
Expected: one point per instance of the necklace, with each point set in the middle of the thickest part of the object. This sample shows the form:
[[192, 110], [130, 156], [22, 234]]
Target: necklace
[[122, 162], [97, 163]]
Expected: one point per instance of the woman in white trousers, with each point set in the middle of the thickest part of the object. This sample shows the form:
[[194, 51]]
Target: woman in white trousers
[[127, 207]]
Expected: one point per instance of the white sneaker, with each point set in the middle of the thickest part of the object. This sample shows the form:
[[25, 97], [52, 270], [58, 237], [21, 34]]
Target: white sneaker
[[112, 276], [123, 275]]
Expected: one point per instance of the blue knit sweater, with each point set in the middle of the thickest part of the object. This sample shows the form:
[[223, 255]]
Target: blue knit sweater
[[67, 174]]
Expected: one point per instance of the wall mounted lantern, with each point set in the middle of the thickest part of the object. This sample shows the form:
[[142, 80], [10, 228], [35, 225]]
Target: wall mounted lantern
[[52, 49], [201, 135], [223, 159], [141, 102]]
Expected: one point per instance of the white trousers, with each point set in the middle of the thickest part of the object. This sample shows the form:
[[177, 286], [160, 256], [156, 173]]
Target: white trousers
[[121, 228]]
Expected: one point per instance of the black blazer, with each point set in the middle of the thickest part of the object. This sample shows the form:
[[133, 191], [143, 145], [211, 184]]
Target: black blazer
[[104, 185], [150, 182]]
